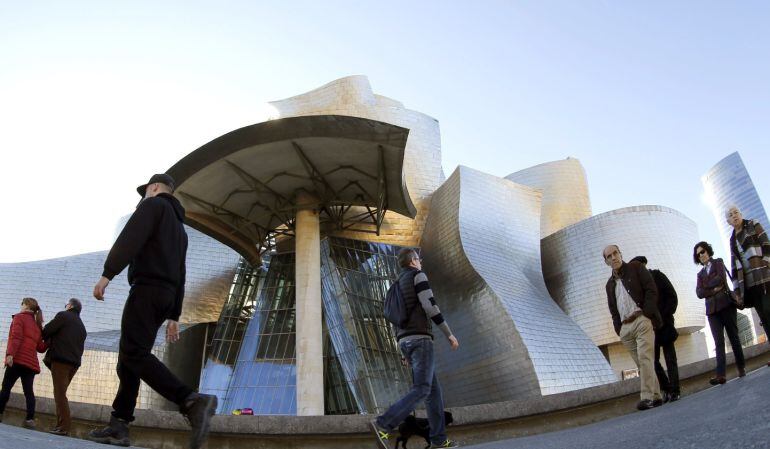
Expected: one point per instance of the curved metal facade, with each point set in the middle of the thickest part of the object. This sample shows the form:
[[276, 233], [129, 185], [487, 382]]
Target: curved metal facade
[[353, 96], [727, 183], [565, 192], [576, 274], [482, 255]]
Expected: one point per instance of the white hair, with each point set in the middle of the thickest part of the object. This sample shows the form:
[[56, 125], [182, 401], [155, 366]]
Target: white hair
[[731, 207]]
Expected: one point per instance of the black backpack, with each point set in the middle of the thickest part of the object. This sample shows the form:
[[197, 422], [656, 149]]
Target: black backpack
[[394, 306]]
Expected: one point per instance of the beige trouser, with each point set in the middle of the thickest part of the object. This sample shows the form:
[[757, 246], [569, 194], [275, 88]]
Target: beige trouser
[[639, 338]]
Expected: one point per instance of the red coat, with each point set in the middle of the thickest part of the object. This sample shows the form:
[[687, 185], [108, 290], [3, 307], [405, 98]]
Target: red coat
[[25, 340]]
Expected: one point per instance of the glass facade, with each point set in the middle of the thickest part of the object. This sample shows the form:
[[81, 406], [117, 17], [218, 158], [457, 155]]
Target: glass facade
[[251, 358]]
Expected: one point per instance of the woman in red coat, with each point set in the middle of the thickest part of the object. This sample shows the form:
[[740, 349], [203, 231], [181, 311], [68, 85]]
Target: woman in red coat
[[25, 340]]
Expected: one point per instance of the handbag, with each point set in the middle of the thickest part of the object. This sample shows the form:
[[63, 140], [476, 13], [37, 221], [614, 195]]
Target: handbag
[[731, 296]]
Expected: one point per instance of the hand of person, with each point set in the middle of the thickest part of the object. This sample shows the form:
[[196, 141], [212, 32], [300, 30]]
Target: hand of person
[[453, 342], [172, 331], [100, 287], [9, 361]]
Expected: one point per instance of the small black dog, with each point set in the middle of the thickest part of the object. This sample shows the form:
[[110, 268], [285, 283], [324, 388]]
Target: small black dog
[[417, 426]]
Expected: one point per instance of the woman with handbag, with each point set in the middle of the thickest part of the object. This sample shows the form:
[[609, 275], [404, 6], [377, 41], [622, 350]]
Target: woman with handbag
[[750, 251], [720, 308]]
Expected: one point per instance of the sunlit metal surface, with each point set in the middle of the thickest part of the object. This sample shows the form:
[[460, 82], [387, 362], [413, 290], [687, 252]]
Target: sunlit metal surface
[[565, 192], [481, 251]]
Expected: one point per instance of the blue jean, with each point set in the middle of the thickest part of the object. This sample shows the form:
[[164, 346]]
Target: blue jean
[[425, 387]]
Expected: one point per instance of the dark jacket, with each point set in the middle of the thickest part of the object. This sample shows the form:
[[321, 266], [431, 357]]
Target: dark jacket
[[709, 282], [25, 341], [153, 245], [66, 336], [667, 297], [639, 284]]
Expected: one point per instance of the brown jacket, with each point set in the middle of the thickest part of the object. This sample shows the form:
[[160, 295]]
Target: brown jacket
[[639, 284]]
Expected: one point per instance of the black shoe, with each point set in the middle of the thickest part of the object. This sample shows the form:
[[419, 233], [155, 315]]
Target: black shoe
[[717, 380], [58, 431], [645, 404], [674, 397], [198, 409], [741, 372], [116, 433], [666, 396], [657, 402]]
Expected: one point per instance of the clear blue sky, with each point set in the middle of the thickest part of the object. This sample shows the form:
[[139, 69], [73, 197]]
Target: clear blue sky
[[96, 96]]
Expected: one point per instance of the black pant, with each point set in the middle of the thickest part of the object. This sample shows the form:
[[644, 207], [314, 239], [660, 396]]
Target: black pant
[[146, 309], [12, 374], [670, 383], [759, 298], [726, 320]]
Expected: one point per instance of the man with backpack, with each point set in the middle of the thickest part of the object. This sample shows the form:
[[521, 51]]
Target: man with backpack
[[410, 306]]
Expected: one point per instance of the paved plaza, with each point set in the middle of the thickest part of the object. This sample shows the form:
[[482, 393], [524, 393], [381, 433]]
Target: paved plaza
[[734, 415]]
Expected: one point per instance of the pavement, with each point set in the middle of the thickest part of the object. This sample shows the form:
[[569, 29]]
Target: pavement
[[733, 415], [12, 437]]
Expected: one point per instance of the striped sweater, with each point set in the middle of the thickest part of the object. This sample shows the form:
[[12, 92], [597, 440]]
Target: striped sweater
[[750, 259], [417, 292]]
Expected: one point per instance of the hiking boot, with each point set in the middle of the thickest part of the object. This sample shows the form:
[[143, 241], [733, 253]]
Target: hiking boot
[[447, 443], [116, 433], [29, 424], [198, 409], [383, 436]]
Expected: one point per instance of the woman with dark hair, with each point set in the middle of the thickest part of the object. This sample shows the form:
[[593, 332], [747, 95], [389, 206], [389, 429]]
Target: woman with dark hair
[[720, 309], [750, 251], [25, 340]]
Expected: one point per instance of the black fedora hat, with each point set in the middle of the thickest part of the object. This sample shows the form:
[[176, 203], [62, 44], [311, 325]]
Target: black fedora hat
[[161, 178]]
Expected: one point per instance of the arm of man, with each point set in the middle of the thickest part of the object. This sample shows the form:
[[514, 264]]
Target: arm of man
[[763, 240], [650, 302], [428, 304], [54, 326], [612, 304]]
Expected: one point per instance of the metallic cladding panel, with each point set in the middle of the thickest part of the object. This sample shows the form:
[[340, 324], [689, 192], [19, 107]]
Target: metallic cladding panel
[[728, 183], [353, 96], [210, 268], [482, 255], [565, 192], [576, 274]]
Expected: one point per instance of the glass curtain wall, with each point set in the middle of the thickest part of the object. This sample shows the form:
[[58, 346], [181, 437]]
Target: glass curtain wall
[[252, 356], [355, 275]]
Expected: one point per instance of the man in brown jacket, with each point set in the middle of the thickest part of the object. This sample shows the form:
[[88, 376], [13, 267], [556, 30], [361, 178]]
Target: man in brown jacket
[[632, 298]]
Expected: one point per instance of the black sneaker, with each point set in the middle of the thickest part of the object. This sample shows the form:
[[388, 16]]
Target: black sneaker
[[116, 433], [675, 397], [198, 409], [645, 404], [58, 431]]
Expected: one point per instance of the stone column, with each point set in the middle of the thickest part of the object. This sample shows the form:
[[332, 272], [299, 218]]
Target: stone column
[[310, 381]]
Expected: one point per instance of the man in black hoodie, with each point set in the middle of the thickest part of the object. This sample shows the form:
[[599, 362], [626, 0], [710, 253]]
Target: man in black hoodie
[[153, 245], [66, 336]]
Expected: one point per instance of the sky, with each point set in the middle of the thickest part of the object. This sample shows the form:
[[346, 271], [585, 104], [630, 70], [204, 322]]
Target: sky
[[97, 96]]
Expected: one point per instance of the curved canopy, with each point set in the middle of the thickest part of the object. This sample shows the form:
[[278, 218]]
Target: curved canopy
[[242, 187]]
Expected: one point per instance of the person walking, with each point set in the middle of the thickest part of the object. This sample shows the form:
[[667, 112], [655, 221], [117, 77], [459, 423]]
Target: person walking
[[24, 342], [666, 334], [65, 335], [415, 341], [720, 309], [632, 299], [750, 264], [153, 244]]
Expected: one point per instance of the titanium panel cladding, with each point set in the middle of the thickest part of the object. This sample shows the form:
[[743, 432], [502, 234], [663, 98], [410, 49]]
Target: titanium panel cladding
[[353, 96], [565, 192], [481, 253], [576, 274], [727, 183]]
